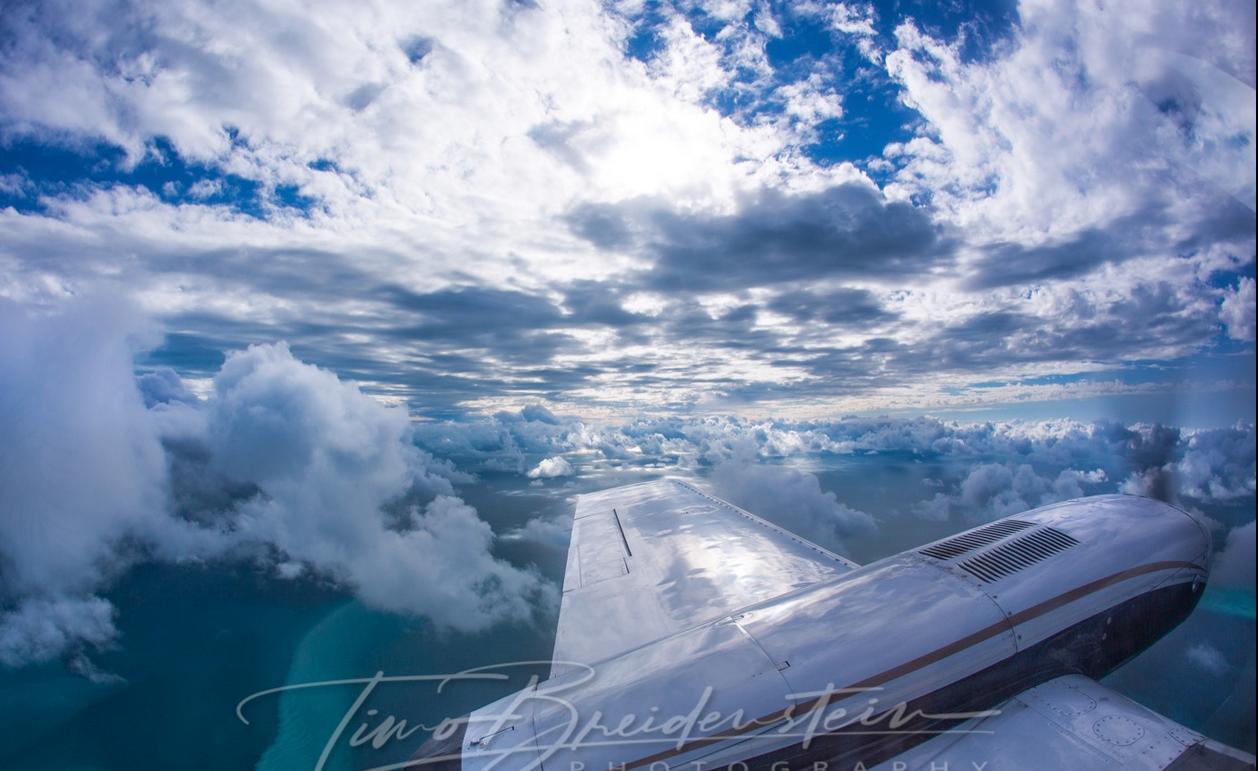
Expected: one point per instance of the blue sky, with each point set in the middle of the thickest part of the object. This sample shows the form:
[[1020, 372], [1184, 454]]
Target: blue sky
[[626, 208]]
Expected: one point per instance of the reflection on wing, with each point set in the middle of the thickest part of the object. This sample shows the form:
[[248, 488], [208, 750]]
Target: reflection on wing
[[1072, 722], [651, 559]]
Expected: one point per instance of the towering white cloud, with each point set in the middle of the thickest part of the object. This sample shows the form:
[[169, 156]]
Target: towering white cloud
[[84, 489], [300, 464], [81, 471], [328, 461]]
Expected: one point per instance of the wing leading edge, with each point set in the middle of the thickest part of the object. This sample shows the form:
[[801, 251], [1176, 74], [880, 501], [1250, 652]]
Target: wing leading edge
[[651, 559]]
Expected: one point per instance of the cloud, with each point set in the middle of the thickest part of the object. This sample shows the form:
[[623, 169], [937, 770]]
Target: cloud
[[538, 413], [844, 306], [1116, 107], [550, 468], [82, 472], [1237, 311], [282, 458], [790, 498], [503, 441], [554, 532], [1218, 465], [644, 216], [283, 462], [847, 230], [43, 629], [329, 461], [1208, 658], [1064, 458], [993, 490], [164, 386], [1234, 565]]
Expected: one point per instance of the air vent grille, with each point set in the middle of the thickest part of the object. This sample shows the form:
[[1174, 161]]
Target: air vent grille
[[974, 539], [1024, 551]]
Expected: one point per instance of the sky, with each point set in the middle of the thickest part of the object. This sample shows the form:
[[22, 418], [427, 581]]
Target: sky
[[294, 286], [728, 207]]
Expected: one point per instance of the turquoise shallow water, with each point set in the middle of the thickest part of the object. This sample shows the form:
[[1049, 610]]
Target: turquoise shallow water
[[192, 638], [197, 639]]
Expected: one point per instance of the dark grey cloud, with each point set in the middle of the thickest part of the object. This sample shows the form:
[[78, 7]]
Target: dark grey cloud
[[1011, 263], [454, 346], [733, 328], [844, 307], [1144, 325], [508, 325], [600, 303], [1216, 220], [846, 231]]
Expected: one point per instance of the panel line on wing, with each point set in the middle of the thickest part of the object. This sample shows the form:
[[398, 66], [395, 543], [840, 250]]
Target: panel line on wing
[[621, 528]]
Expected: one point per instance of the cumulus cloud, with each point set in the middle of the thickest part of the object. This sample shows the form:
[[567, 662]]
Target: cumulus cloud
[[84, 466], [554, 532], [282, 457], [538, 413], [329, 461], [82, 472], [1063, 458], [285, 462], [790, 498], [550, 468], [993, 490], [1218, 465], [1237, 310], [164, 386], [503, 441]]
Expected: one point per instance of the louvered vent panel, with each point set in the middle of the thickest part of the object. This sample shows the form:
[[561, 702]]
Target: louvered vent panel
[[975, 539], [1023, 551]]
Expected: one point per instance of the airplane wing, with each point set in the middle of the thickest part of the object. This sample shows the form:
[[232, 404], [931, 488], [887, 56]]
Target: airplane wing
[[1071, 722], [651, 559]]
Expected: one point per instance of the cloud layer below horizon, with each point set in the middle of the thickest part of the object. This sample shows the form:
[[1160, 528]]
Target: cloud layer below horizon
[[286, 467]]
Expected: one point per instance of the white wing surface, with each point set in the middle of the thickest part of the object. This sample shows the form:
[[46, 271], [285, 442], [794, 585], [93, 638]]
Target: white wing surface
[[1071, 722], [651, 559]]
